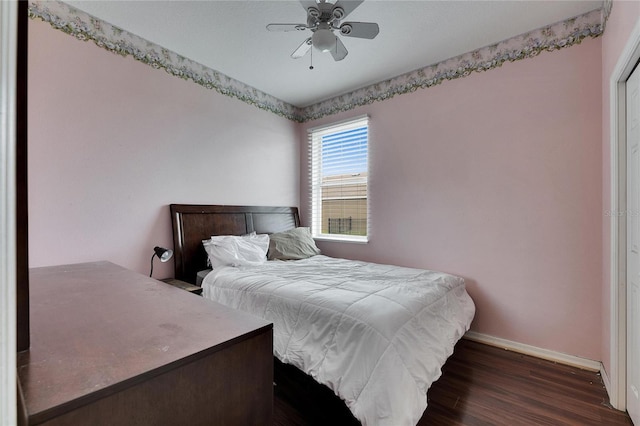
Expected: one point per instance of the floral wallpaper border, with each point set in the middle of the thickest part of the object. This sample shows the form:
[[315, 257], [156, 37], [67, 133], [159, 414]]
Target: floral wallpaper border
[[549, 38], [553, 37], [85, 27]]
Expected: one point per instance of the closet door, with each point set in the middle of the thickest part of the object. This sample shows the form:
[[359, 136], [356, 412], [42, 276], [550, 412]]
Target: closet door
[[633, 245]]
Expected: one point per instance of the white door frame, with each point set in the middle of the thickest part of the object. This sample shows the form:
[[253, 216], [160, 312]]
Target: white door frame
[[8, 60], [618, 291]]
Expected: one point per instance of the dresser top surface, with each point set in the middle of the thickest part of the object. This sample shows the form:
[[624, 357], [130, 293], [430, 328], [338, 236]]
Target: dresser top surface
[[97, 327]]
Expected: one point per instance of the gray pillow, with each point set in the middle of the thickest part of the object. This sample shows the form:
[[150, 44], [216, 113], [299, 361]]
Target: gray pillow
[[294, 244]]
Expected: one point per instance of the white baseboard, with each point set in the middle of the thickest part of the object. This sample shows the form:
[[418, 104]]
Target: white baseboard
[[583, 363], [606, 380]]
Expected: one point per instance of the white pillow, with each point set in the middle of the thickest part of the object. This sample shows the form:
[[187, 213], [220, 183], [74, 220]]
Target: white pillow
[[231, 250]]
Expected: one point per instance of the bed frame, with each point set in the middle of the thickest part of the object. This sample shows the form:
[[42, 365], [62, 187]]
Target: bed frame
[[194, 223]]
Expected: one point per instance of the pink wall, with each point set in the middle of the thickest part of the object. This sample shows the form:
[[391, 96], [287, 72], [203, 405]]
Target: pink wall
[[497, 178], [112, 142], [500, 176], [624, 16]]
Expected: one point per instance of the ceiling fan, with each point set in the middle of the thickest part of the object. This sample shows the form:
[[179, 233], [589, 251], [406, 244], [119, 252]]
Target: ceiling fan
[[323, 18]]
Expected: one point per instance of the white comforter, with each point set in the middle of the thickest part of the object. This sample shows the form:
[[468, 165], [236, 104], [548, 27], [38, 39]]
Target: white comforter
[[377, 335]]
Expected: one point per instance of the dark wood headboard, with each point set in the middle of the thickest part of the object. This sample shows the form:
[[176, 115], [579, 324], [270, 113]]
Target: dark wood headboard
[[194, 223]]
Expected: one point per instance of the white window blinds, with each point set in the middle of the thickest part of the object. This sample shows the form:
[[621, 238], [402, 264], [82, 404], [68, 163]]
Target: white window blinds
[[339, 180]]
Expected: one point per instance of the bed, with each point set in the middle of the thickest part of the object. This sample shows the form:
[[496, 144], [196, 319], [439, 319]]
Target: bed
[[376, 335]]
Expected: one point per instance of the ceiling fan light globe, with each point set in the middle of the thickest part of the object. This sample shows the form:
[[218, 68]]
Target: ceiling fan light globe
[[323, 40]]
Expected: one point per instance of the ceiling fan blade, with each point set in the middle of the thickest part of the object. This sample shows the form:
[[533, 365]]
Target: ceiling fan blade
[[339, 52], [286, 27], [302, 49], [360, 29], [347, 5]]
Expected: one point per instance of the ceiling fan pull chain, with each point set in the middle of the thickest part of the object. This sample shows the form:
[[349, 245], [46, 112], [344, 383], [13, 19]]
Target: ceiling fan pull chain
[[311, 66]]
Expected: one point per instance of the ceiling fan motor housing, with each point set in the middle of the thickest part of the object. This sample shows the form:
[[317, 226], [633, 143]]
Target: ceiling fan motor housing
[[325, 13]]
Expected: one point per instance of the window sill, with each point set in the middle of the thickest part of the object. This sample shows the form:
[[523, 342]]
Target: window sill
[[342, 239]]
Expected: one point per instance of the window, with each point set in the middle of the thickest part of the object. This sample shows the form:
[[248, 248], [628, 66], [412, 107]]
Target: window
[[339, 180]]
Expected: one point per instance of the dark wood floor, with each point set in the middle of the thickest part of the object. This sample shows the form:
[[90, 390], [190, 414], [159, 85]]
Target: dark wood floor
[[483, 385]]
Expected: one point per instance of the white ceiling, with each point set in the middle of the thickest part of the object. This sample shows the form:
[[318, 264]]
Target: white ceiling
[[230, 37]]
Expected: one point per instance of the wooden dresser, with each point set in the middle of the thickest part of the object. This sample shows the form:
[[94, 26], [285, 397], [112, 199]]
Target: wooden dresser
[[112, 347]]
